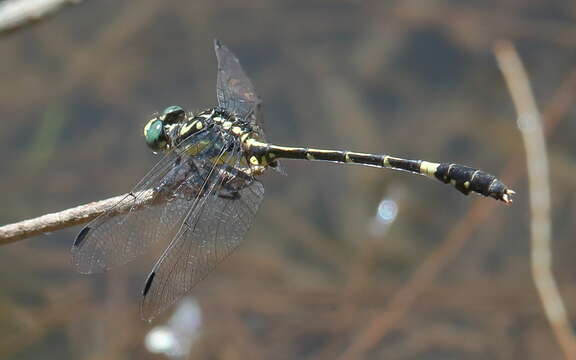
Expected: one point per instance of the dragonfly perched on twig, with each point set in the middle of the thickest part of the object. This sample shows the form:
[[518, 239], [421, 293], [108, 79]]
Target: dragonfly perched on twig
[[206, 191]]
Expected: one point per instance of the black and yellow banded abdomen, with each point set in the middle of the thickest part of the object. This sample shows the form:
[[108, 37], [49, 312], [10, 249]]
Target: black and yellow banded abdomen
[[463, 178], [467, 179]]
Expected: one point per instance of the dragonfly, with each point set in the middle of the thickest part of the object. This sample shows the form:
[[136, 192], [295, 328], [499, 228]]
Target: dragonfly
[[203, 195]]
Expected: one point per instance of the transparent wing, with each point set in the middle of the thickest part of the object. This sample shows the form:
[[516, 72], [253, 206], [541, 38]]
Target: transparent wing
[[113, 239], [209, 234], [234, 89]]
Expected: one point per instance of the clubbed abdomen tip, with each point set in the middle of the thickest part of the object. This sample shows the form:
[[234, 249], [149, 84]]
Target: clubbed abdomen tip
[[466, 179], [507, 196]]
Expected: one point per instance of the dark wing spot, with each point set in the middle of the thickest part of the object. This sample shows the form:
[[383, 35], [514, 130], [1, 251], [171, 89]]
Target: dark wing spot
[[80, 238], [148, 283]]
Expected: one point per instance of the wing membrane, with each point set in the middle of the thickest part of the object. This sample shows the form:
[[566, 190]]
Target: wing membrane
[[114, 239], [209, 234], [204, 203], [234, 89]]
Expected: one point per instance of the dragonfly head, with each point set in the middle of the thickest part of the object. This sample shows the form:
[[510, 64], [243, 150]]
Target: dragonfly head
[[155, 135], [157, 130]]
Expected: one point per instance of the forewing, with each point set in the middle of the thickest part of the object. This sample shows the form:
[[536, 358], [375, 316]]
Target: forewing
[[209, 235], [234, 89], [113, 239]]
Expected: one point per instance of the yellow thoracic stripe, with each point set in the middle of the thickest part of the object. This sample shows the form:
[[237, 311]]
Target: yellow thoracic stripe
[[184, 130]]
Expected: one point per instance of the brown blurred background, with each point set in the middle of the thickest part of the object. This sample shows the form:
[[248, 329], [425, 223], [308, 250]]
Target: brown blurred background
[[320, 276]]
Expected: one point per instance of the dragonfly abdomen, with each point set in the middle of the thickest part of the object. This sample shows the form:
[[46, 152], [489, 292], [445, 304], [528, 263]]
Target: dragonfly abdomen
[[465, 179]]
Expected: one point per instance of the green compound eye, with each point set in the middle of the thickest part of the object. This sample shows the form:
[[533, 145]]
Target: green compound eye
[[173, 114], [154, 135]]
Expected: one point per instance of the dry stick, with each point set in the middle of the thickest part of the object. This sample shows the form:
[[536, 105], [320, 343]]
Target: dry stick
[[18, 13], [108, 41], [70, 217], [530, 126]]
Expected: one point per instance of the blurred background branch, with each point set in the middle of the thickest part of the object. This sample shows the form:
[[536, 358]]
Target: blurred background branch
[[530, 125]]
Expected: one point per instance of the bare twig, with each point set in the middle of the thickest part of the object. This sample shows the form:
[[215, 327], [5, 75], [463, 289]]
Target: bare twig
[[70, 217], [18, 13], [530, 126]]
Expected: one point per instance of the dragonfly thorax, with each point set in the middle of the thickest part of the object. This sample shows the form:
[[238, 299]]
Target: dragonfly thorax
[[173, 125]]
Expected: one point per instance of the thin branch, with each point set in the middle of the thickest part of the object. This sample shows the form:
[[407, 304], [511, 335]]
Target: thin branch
[[70, 217], [530, 125], [18, 13]]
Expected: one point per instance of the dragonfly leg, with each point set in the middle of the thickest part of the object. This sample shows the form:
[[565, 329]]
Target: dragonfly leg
[[177, 177], [233, 195]]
